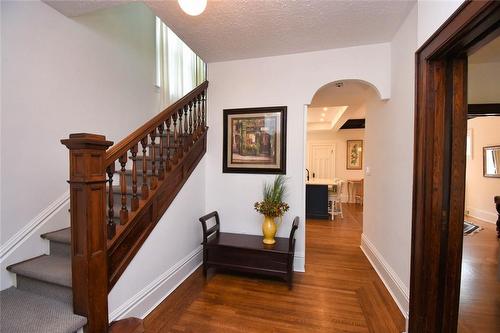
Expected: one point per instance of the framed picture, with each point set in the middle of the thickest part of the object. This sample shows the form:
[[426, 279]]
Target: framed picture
[[354, 152], [491, 161], [255, 140]]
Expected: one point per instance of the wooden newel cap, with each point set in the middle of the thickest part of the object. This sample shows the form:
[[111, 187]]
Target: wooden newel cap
[[86, 140]]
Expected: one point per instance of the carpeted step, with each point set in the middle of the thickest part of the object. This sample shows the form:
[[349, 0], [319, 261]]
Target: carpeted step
[[24, 312], [48, 276], [60, 242]]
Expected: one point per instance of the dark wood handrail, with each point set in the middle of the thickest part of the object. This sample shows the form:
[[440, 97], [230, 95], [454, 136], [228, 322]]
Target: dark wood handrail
[[118, 194], [126, 144]]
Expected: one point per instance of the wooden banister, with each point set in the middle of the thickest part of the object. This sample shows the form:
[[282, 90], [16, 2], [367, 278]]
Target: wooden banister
[[87, 179], [110, 217], [124, 145]]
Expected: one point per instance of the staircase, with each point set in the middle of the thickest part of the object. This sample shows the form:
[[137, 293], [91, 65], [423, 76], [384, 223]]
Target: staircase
[[117, 196], [43, 292]]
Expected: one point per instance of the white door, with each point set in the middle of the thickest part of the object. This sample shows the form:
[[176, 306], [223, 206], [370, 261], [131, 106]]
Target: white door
[[322, 161]]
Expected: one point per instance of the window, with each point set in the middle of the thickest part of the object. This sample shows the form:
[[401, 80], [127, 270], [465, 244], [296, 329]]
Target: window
[[178, 69]]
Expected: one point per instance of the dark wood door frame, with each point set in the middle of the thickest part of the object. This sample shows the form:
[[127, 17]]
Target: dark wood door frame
[[439, 167]]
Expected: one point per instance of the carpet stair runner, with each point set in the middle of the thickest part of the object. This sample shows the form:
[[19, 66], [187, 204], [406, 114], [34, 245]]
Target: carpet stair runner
[[42, 300], [43, 283]]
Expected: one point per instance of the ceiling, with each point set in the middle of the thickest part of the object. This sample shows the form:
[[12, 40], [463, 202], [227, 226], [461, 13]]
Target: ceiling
[[238, 29], [488, 53], [349, 94], [72, 8], [324, 118]]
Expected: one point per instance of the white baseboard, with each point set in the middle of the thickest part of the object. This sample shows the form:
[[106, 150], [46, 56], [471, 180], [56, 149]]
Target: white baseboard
[[393, 283], [482, 215], [19, 237], [146, 300], [299, 263], [26, 243]]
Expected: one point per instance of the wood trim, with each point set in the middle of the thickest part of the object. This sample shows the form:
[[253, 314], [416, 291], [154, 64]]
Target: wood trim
[[126, 144], [482, 110], [87, 179], [439, 167]]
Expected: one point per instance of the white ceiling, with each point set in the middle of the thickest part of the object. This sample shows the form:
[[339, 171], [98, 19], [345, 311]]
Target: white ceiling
[[351, 93], [324, 118], [238, 29], [73, 8]]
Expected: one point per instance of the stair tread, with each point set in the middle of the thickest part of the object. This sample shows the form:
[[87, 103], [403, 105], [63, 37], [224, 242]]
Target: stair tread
[[60, 236], [23, 311], [52, 269]]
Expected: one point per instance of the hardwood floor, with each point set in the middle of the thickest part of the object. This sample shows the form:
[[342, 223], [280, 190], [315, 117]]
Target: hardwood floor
[[479, 309], [340, 292]]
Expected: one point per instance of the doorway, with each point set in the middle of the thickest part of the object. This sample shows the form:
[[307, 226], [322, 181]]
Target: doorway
[[440, 160], [335, 148]]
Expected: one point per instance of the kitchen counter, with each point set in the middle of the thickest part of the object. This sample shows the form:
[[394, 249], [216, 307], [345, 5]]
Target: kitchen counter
[[322, 181]]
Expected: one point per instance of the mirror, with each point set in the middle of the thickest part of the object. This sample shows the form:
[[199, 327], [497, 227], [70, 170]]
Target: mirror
[[491, 161]]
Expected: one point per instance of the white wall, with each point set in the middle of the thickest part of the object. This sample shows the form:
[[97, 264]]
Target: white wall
[[483, 84], [480, 190], [339, 139], [389, 154], [288, 80], [94, 74], [171, 252], [432, 14]]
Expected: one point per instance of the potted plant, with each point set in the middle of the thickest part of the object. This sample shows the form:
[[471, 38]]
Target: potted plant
[[272, 207]]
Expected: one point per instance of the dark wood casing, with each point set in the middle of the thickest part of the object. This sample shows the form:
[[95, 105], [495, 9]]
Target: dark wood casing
[[439, 165]]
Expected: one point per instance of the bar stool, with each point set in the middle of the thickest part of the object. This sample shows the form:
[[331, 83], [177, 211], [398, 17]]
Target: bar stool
[[335, 200]]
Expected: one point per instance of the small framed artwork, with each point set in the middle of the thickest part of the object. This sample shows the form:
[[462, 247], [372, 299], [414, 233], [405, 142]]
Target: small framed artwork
[[491, 161], [354, 152], [255, 140]]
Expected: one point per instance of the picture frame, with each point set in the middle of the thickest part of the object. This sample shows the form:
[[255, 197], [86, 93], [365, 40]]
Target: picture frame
[[354, 155], [254, 140], [491, 161]]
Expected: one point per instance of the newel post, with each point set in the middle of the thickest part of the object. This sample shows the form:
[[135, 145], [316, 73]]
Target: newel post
[[87, 179]]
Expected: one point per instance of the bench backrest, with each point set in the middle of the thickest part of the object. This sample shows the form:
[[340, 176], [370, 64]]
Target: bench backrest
[[291, 240], [214, 230]]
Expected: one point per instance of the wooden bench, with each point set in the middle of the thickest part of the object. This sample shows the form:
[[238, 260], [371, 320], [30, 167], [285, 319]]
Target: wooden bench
[[247, 253]]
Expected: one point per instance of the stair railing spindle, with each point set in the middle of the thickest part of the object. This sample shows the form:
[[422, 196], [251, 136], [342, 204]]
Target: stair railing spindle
[[169, 145], [204, 110], [123, 190], [186, 128], [195, 120], [110, 170], [180, 137], [134, 202], [144, 187], [161, 169], [152, 155], [176, 139], [198, 129]]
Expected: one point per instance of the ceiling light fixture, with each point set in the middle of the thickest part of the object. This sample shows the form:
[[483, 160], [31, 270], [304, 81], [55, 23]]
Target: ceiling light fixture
[[193, 7], [324, 109], [322, 115], [322, 119]]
